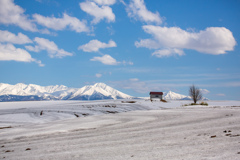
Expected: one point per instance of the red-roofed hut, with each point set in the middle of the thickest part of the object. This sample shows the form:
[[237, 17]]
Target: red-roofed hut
[[156, 95]]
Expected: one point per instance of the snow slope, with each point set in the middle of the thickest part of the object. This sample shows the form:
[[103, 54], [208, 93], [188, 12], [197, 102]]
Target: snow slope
[[152, 130], [31, 112]]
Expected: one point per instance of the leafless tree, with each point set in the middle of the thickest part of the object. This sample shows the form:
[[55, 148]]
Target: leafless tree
[[195, 93]]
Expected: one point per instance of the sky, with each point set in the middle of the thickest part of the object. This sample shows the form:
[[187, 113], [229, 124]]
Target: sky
[[135, 46]]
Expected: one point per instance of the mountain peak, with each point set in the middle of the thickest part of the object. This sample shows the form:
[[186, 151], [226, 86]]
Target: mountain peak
[[101, 85], [98, 91], [174, 96], [21, 84], [169, 92]]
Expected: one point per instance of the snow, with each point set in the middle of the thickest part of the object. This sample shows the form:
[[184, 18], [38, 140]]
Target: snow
[[89, 92], [98, 90], [31, 89], [173, 96], [29, 112], [139, 131]]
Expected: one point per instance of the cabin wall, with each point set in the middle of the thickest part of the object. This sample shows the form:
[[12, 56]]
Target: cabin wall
[[155, 96]]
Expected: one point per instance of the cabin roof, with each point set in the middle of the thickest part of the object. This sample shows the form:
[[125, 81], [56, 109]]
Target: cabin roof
[[156, 93]]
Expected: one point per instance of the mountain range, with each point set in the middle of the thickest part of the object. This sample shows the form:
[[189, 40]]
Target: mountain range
[[25, 92], [98, 91]]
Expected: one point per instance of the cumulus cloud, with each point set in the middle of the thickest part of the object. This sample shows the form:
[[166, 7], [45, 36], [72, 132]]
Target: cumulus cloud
[[212, 40], [72, 23], [138, 10], [49, 46], [148, 43], [168, 52], [106, 59], [98, 12], [105, 2], [9, 52], [95, 45], [11, 13], [9, 37]]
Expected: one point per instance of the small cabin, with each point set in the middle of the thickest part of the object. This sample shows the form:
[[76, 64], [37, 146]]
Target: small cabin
[[156, 95]]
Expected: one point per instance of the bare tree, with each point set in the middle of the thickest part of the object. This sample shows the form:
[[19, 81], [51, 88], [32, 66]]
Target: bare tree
[[195, 93]]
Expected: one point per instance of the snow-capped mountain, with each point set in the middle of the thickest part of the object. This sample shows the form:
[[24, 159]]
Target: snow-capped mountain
[[98, 91], [22, 91], [175, 96]]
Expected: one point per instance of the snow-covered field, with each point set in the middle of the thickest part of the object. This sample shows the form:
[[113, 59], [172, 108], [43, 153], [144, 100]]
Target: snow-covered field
[[117, 129]]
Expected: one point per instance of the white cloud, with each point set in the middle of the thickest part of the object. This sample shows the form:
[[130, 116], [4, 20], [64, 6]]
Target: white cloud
[[9, 37], [49, 46], [98, 12], [14, 14], [106, 59], [122, 1], [204, 91], [98, 75], [105, 2], [61, 23], [168, 52], [95, 45], [213, 40], [8, 52], [46, 31], [138, 10], [148, 43]]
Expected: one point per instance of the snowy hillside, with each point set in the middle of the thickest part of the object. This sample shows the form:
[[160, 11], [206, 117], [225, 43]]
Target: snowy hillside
[[119, 130], [25, 92]]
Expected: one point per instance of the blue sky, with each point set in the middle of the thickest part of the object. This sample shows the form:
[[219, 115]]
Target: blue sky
[[135, 46]]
